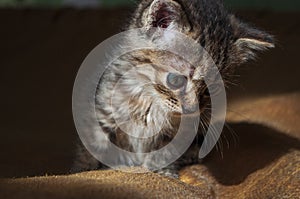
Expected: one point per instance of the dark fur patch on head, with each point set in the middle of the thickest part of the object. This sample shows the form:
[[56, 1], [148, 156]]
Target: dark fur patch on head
[[164, 91], [229, 41]]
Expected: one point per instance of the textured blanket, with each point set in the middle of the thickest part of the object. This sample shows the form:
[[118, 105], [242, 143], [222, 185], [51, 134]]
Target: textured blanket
[[266, 164]]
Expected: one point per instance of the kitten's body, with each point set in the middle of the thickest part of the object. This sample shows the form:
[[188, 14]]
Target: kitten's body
[[145, 92]]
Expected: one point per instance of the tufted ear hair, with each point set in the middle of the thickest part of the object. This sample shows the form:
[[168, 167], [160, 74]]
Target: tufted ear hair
[[249, 40], [163, 13]]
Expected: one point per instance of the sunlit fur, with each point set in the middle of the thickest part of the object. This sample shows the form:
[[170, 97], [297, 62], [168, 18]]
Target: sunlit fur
[[134, 90]]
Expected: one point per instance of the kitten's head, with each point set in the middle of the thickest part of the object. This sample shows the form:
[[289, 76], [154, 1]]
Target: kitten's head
[[227, 40]]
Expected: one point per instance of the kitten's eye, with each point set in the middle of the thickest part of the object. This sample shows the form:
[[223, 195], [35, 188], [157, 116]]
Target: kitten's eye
[[176, 81]]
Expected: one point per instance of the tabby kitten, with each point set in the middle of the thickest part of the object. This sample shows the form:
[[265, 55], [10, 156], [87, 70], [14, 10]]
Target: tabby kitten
[[159, 88]]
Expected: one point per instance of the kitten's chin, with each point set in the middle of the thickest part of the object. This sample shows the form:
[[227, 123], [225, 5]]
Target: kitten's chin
[[181, 115]]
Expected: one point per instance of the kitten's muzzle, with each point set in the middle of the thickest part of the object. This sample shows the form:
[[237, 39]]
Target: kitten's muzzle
[[189, 109]]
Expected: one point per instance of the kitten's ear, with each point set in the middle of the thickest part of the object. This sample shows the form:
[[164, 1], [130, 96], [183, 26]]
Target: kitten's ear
[[249, 40], [163, 13]]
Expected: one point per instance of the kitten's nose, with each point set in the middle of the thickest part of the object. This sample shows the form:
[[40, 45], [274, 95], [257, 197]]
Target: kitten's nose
[[188, 109]]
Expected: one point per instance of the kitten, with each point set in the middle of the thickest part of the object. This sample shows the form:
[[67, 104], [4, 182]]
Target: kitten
[[228, 41]]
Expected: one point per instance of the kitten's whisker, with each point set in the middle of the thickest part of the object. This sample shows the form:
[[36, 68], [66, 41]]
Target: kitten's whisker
[[219, 142], [202, 127], [232, 133], [229, 82]]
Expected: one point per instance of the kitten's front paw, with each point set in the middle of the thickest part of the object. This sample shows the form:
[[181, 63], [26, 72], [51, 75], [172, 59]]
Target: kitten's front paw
[[172, 173]]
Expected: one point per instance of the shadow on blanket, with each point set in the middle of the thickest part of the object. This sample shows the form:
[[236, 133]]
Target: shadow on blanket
[[263, 163]]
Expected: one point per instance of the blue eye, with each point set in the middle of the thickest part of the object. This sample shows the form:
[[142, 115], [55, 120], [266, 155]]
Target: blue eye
[[176, 81]]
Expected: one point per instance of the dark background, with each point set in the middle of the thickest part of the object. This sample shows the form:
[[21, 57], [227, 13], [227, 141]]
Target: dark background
[[41, 51]]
